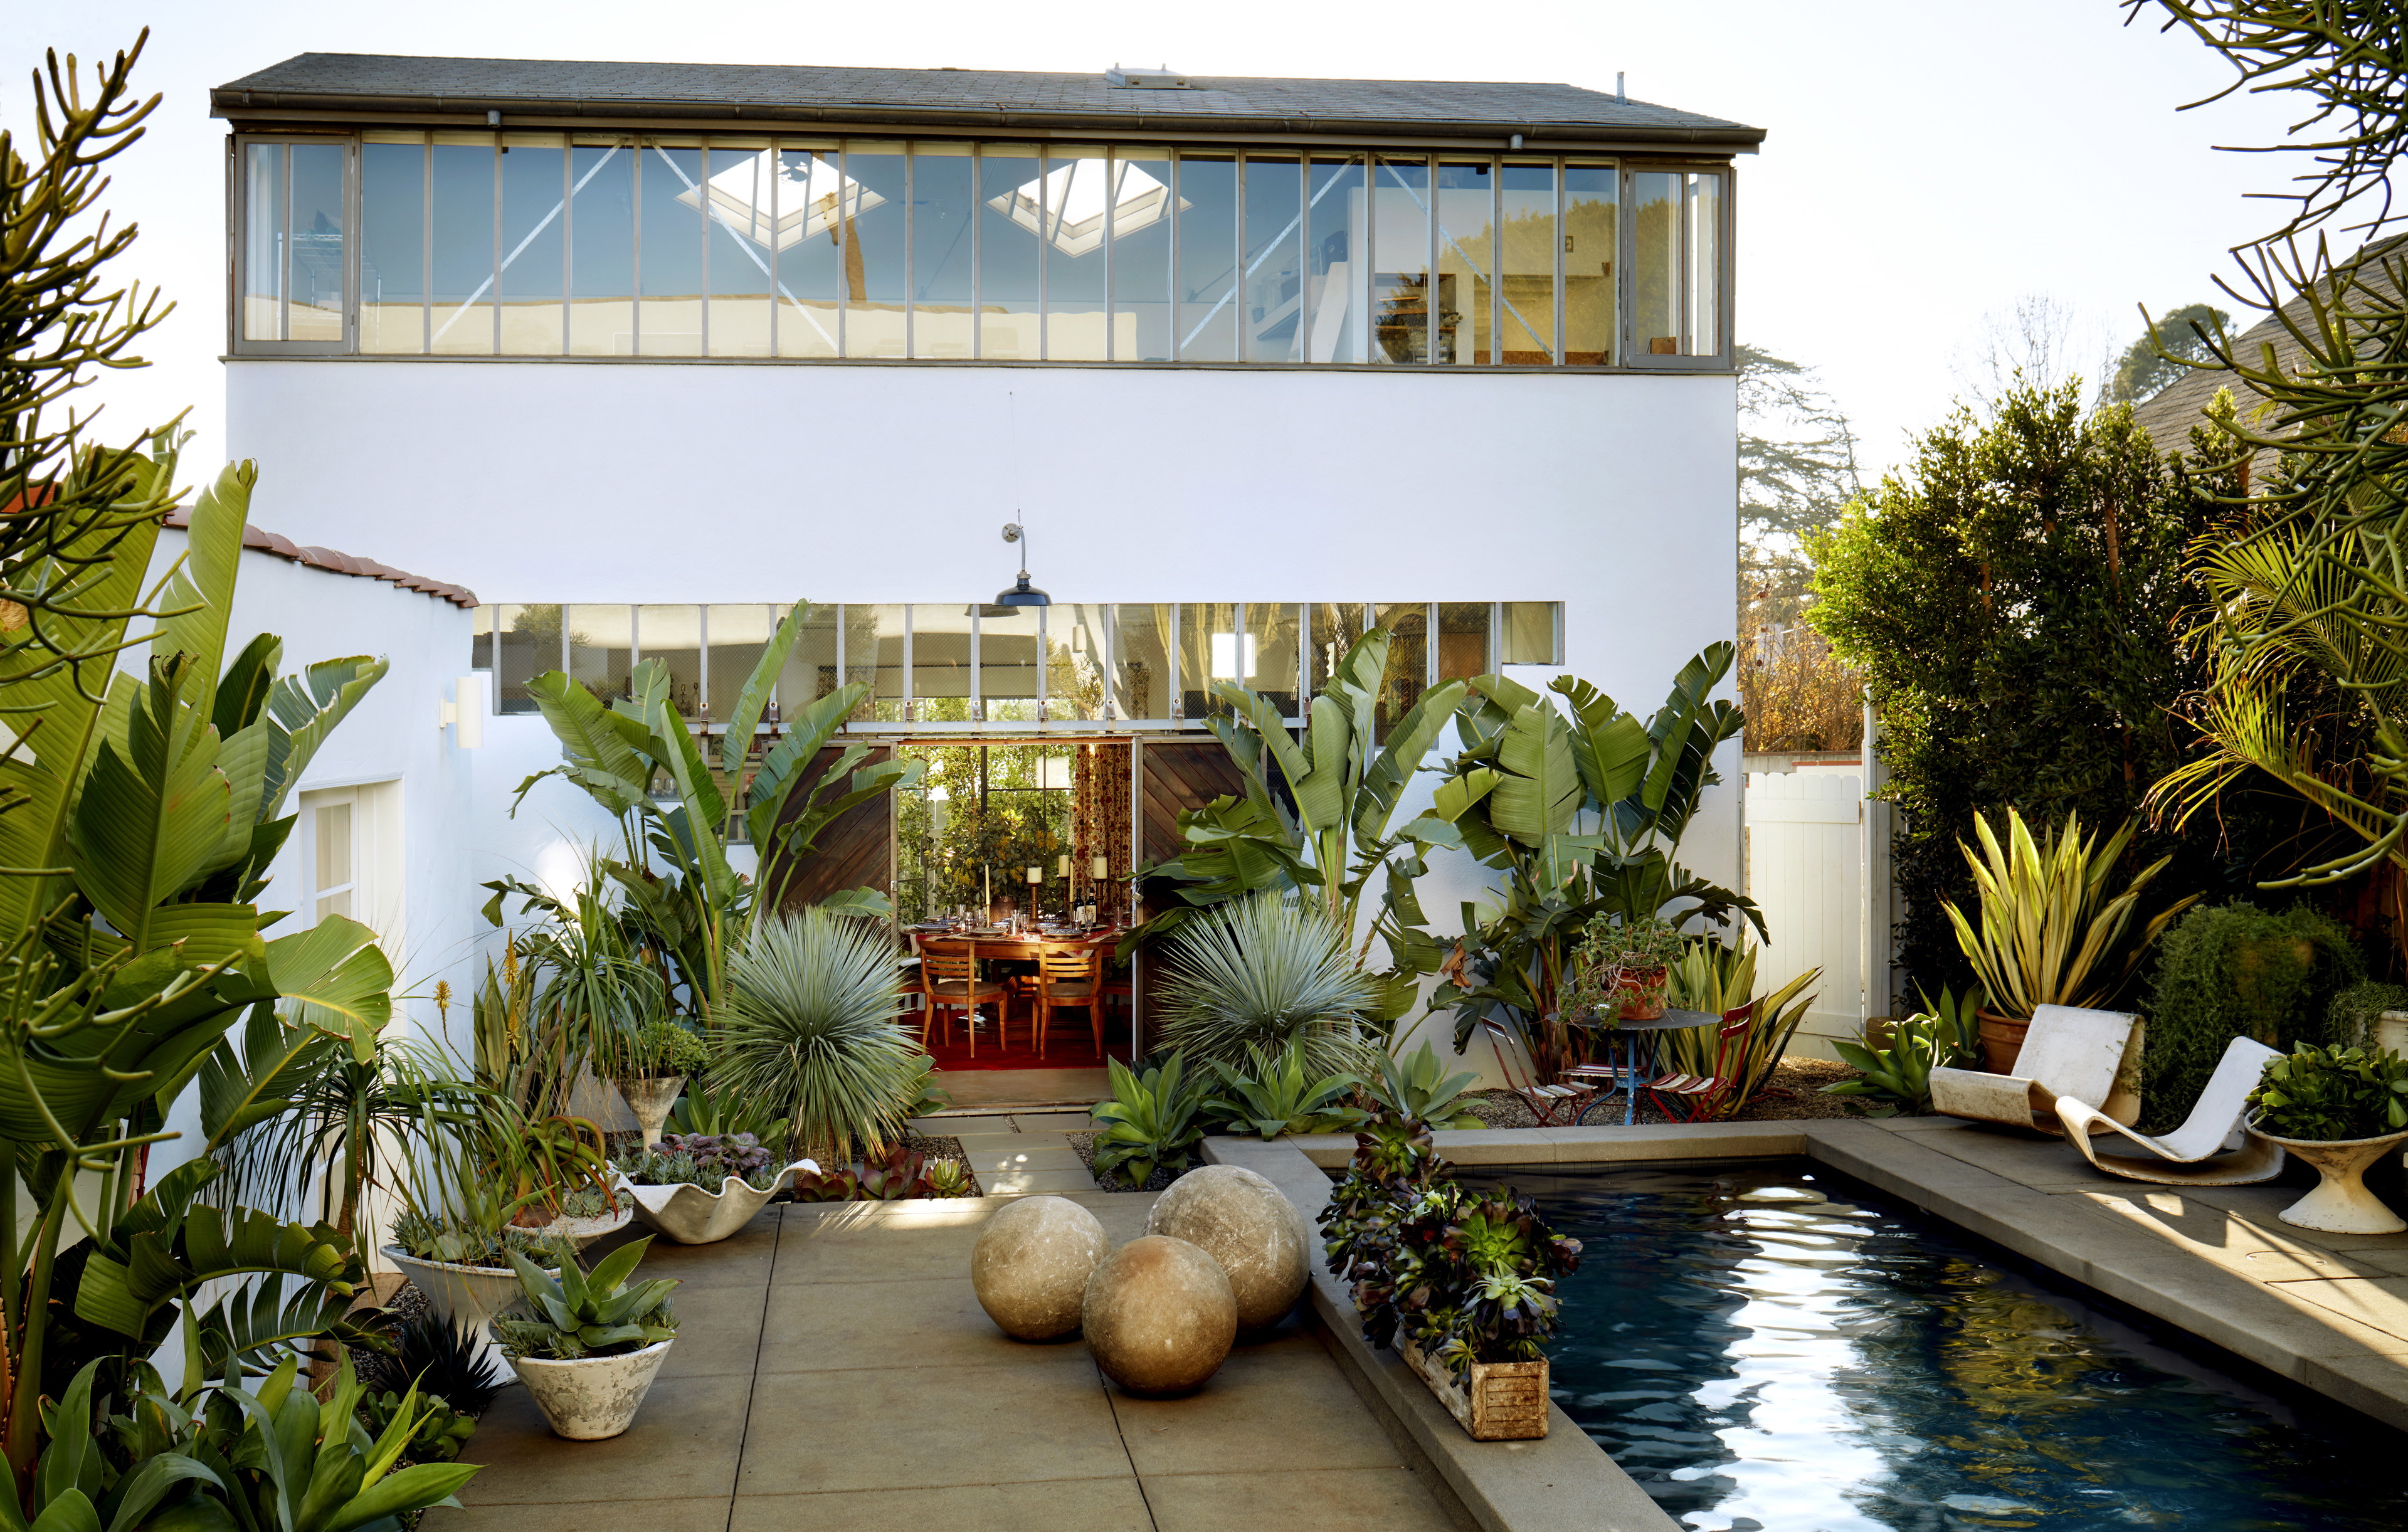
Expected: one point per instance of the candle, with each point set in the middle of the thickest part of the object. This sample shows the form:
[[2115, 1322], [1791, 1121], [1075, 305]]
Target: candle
[[986, 881], [1102, 869], [1037, 875]]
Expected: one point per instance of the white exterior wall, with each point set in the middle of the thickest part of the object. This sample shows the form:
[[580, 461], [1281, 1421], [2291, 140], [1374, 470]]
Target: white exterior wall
[[1613, 494]]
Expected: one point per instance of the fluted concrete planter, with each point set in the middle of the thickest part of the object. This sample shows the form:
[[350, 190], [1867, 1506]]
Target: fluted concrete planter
[[468, 1296], [651, 1099], [2341, 1204], [692, 1215], [593, 1398]]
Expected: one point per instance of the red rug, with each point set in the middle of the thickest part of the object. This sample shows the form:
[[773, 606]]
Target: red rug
[[1062, 1051]]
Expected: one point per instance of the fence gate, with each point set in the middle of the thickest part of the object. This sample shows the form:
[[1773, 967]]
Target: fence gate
[[1806, 845]]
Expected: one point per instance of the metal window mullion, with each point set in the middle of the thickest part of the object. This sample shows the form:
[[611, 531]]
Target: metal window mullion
[[910, 296], [1497, 263], [568, 232], [1044, 266], [702, 232], [976, 709], [777, 287], [354, 154], [1175, 709], [1430, 304], [284, 245], [904, 693], [495, 326], [977, 271], [426, 269], [636, 245], [1111, 293], [1044, 657], [1563, 224], [1238, 347], [844, 208], [1303, 275], [1109, 615], [1178, 267], [1369, 339]]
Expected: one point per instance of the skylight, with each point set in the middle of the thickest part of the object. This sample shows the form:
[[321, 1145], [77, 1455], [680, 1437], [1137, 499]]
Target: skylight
[[1072, 214], [808, 205]]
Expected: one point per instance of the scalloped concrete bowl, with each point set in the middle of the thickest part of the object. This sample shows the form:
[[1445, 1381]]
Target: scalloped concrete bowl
[[689, 1215], [593, 1398], [2341, 1204]]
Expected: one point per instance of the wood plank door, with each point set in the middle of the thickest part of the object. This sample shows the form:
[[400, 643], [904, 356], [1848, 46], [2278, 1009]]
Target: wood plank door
[[1172, 775], [857, 849]]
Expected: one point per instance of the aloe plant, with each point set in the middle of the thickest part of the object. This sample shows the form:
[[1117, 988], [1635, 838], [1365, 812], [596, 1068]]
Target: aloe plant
[[1415, 1091], [2050, 931], [1149, 1123], [571, 1314]]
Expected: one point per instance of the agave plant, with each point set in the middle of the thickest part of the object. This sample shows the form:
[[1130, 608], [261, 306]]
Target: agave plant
[[1149, 1122], [810, 1033], [2051, 932], [1260, 973], [1416, 1094], [1274, 1093]]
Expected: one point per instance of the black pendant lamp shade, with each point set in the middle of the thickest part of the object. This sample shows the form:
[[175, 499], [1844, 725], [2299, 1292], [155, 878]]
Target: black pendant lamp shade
[[1021, 593]]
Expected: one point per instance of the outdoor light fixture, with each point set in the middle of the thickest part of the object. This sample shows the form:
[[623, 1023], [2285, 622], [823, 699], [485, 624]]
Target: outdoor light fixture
[[1021, 594]]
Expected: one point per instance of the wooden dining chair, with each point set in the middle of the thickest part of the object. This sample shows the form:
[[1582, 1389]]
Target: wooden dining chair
[[949, 981], [1069, 977]]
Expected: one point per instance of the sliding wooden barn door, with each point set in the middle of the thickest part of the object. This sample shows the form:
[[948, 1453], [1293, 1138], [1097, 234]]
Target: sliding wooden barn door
[[857, 850], [1173, 776]]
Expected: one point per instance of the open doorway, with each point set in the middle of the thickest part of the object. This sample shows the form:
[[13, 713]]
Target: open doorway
[[1039, 830]]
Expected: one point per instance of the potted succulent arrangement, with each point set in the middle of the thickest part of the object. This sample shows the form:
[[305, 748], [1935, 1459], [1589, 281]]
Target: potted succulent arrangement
[[2340, 1109], [660, 1057], [1460, 1282], [588, 1344], [462, 1221], [699, 1188], [1621, 971]]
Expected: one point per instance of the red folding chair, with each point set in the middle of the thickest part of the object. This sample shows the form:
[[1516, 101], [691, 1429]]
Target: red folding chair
[[1698, 1098], [1545, 1101]]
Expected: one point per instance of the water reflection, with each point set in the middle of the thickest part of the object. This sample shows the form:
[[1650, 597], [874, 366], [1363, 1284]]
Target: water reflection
[[1772, 1348]]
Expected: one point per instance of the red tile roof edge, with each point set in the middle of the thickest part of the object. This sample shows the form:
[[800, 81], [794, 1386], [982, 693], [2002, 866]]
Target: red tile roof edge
[[338, 564]]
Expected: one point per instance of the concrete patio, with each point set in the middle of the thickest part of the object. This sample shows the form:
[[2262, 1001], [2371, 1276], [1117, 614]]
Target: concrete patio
[[834, 1370]]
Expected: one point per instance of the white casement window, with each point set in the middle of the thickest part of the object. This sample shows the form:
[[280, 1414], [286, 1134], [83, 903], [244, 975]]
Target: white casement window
[[348, 843]]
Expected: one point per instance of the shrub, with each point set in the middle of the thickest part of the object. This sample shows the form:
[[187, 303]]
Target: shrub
[[667, 1048], [811, 1032], [2350, 1018], [1259, 972], [2234, 970], [2333, 1094]]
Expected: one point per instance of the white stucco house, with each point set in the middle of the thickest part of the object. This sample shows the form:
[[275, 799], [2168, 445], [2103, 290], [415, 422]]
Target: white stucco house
[[644, 354]]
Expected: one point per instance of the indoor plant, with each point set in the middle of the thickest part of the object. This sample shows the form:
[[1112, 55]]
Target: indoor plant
[[699, 1189], [588, 1344], [1620, 971], [660, 1057], [2051, 932], [2340, 1109]]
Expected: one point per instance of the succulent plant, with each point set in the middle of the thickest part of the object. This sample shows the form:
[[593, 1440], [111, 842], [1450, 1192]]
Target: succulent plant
[[441, 1433], [950, 1178], [576, 1314]]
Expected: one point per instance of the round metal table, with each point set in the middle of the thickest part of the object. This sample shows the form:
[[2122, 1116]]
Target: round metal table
[[1626, 1076]]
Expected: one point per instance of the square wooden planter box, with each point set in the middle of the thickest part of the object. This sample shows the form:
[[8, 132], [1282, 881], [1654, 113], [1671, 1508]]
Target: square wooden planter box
[[1501, 1401]]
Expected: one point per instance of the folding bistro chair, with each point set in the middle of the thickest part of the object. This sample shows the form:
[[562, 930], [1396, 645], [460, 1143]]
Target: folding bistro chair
[[949, 981], [1695, 1099], [1545, 1101]]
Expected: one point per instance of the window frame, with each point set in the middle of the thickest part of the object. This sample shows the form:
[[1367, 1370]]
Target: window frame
[[1626, 239], [238, 246]]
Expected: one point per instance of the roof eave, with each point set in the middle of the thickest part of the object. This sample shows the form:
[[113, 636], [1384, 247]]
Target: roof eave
[[537, 112]]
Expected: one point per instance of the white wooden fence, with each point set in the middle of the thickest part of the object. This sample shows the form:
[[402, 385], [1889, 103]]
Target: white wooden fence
[[1806, 868]]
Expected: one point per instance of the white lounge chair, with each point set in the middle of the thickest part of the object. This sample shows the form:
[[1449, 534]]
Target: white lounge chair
[[2091, 1055], [2210, 1149]]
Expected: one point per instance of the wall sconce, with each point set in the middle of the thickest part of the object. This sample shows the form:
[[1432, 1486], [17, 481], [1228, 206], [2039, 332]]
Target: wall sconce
[[465, 717]]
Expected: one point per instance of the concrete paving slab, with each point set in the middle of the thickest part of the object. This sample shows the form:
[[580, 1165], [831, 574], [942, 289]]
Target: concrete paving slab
[[934, 1321], [683, 1446], [719, 1331], [1279, 1405], [1053, 1121], [2375, 1385], [2379, 1302], [1053, 1505], [876, 1247], [923, 1427], [2185, 1222], [956, 1127], [1030, 1154], [1324, 1499], [2232, 1312], [708, 1514], [740, 1260], [1028, 1183]]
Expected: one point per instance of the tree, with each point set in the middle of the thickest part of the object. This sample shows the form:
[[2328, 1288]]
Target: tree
[[1797, 450], [2184, 336], [1796, 469], [2016, 602]]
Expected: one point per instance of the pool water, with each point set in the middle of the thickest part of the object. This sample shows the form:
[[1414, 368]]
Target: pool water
[[1773, 1346]]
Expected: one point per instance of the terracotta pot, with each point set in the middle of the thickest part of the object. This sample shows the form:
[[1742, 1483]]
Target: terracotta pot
[[2002, 1040], [1642, 993]]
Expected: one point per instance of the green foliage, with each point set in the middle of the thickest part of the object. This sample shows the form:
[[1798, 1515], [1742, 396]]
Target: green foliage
[[2016, 602], [566, 1314], [1266, 972], [993, 819], [1394, 1166], [1275, 1094], [1718, 979], [2350, 1018], [720, 1112], [441, 1433], [2052, 934], [2185, 335], [1417, 1092], [1472, 1277], [1583, 810], [1896, 1074], [1151, 1122], [891, 1175], [950, 1178], [2235, 971], [2333, 1094], [810, 1031], [668, 1048]]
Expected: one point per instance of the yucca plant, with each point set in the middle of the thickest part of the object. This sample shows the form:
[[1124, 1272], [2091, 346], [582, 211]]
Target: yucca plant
[[1717, 979], [2051, 932], [810, 1033], [1260, 973]]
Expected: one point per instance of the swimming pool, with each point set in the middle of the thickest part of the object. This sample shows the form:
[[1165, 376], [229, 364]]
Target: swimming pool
[[1773, 1346]]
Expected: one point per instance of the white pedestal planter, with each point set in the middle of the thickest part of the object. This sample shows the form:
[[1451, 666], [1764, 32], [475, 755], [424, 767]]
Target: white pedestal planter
[[2341, 1204], [691, 1215], [650, 1100], [594, 1397], [468, 1296]]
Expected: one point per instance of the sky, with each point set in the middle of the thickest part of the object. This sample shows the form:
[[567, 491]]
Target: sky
[[1929, 166]]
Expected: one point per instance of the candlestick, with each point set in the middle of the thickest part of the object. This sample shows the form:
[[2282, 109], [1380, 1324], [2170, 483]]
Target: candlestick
[[986, 880]]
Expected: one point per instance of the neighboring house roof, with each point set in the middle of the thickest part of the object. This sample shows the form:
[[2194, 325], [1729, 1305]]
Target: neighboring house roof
[[374, 83], [339, 564]]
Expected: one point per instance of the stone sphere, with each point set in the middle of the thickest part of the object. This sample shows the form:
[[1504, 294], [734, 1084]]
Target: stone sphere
[[1031, 1264], [1244, 1223], [1160, 1316]]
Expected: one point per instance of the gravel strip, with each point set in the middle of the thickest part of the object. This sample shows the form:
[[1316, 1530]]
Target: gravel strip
[[1085, 1145]]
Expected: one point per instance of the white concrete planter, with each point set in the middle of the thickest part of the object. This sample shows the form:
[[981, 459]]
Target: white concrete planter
[[2341, 1204], [594, 1397], [690, 1215], [584, 1231], [651, 1099], [467, 1295]]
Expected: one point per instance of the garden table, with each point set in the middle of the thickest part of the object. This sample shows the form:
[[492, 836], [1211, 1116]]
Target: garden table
[[1631, 1033]]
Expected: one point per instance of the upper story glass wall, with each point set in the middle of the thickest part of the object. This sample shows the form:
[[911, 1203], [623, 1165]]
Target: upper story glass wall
[[532, 244]]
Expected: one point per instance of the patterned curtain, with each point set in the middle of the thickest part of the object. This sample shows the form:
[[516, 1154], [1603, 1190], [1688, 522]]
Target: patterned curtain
[[1099, 822]]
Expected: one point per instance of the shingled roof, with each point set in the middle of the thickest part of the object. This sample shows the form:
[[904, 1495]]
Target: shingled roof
[[351, 85], [338, 564]]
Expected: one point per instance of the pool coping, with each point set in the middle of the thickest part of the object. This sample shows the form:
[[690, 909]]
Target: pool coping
[[2329, 1313]]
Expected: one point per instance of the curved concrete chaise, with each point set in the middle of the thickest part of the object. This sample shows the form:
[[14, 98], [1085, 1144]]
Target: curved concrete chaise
[[2210, 1149]]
